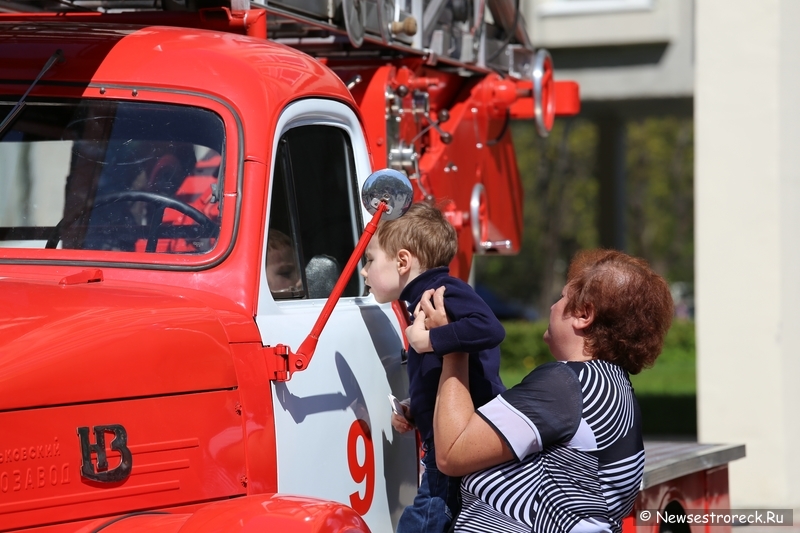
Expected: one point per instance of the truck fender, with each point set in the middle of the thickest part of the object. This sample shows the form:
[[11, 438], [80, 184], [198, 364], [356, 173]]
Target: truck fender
[[275, 512], [137, 522], [249, 514]]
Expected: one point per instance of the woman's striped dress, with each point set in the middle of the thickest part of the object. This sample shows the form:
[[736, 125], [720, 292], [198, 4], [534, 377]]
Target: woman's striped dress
[[575, 428]]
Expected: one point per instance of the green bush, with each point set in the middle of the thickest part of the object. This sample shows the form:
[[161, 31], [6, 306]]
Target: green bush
[[673, 374], [523, 346], [680, 341], [522, 350]]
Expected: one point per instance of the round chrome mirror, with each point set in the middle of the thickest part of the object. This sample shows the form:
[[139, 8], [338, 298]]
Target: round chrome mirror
[[544, 96], [388, 186]]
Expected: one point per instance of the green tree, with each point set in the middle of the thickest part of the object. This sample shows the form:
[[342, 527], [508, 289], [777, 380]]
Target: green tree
[[561, 205], [660, 180]]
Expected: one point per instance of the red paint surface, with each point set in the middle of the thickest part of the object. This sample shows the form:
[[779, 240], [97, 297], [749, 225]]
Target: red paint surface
[[702, 491]]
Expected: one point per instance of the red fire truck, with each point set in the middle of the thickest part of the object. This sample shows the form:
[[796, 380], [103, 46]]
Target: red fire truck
[[187, 188]]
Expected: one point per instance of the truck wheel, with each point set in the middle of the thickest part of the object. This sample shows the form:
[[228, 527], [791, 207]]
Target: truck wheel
[[674, 509]]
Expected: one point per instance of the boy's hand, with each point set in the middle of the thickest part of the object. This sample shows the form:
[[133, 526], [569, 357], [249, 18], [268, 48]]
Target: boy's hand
[[418, 337], [400, 423]]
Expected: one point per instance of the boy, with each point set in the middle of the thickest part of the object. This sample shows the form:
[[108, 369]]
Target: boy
[[406, 257]]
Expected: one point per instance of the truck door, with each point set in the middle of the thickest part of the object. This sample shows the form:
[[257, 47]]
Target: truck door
[[332, 421]]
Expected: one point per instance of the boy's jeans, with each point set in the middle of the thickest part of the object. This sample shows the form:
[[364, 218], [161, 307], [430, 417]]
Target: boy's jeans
[[437, 500]]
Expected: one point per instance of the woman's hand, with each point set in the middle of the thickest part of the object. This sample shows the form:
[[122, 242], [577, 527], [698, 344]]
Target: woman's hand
[[427, 316], [435, 313]]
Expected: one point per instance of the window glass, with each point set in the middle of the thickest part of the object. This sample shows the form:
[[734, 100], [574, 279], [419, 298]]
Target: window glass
[[106, 175], [312, 206], [283, 272]]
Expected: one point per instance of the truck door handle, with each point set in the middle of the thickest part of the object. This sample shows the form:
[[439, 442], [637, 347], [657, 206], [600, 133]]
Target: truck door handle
[[403, 356]]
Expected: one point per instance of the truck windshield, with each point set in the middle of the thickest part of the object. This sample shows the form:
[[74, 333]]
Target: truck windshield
[[110, 175]]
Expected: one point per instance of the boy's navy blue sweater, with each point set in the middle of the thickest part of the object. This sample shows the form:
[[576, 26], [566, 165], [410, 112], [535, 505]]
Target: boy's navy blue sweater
[[473, 329]]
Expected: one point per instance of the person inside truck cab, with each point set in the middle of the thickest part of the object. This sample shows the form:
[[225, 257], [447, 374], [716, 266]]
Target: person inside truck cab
[[169, 166], [562, 450], [405, 257], [162, 168], [283, 275]]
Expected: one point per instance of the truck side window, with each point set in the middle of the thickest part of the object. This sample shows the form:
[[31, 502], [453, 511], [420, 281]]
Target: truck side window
[[313, 206], [283, 272]]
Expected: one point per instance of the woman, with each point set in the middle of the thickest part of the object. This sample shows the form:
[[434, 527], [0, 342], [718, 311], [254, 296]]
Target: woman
[[561, 451]]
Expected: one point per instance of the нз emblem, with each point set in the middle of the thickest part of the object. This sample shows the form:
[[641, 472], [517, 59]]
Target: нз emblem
[[119, 444]]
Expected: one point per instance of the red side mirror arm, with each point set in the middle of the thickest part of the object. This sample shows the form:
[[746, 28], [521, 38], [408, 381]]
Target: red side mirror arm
[[281, 360]]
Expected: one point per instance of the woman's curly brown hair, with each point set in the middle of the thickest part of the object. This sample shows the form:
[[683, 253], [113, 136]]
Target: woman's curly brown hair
[[632, 307]]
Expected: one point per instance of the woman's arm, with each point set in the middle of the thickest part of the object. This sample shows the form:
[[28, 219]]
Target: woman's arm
[[464, 442]]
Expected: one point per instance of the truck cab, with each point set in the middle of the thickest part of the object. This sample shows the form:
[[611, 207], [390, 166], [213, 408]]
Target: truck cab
[[151, 171]]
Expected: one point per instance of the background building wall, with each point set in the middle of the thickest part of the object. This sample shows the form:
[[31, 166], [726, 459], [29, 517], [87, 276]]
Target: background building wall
[[747, 269], [618, 49]]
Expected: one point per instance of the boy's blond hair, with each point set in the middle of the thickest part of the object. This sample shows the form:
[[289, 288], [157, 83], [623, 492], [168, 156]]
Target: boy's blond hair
[[423, 231]]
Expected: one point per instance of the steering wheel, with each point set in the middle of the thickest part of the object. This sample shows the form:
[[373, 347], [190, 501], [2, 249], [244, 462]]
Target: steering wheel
[[208, 226]]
